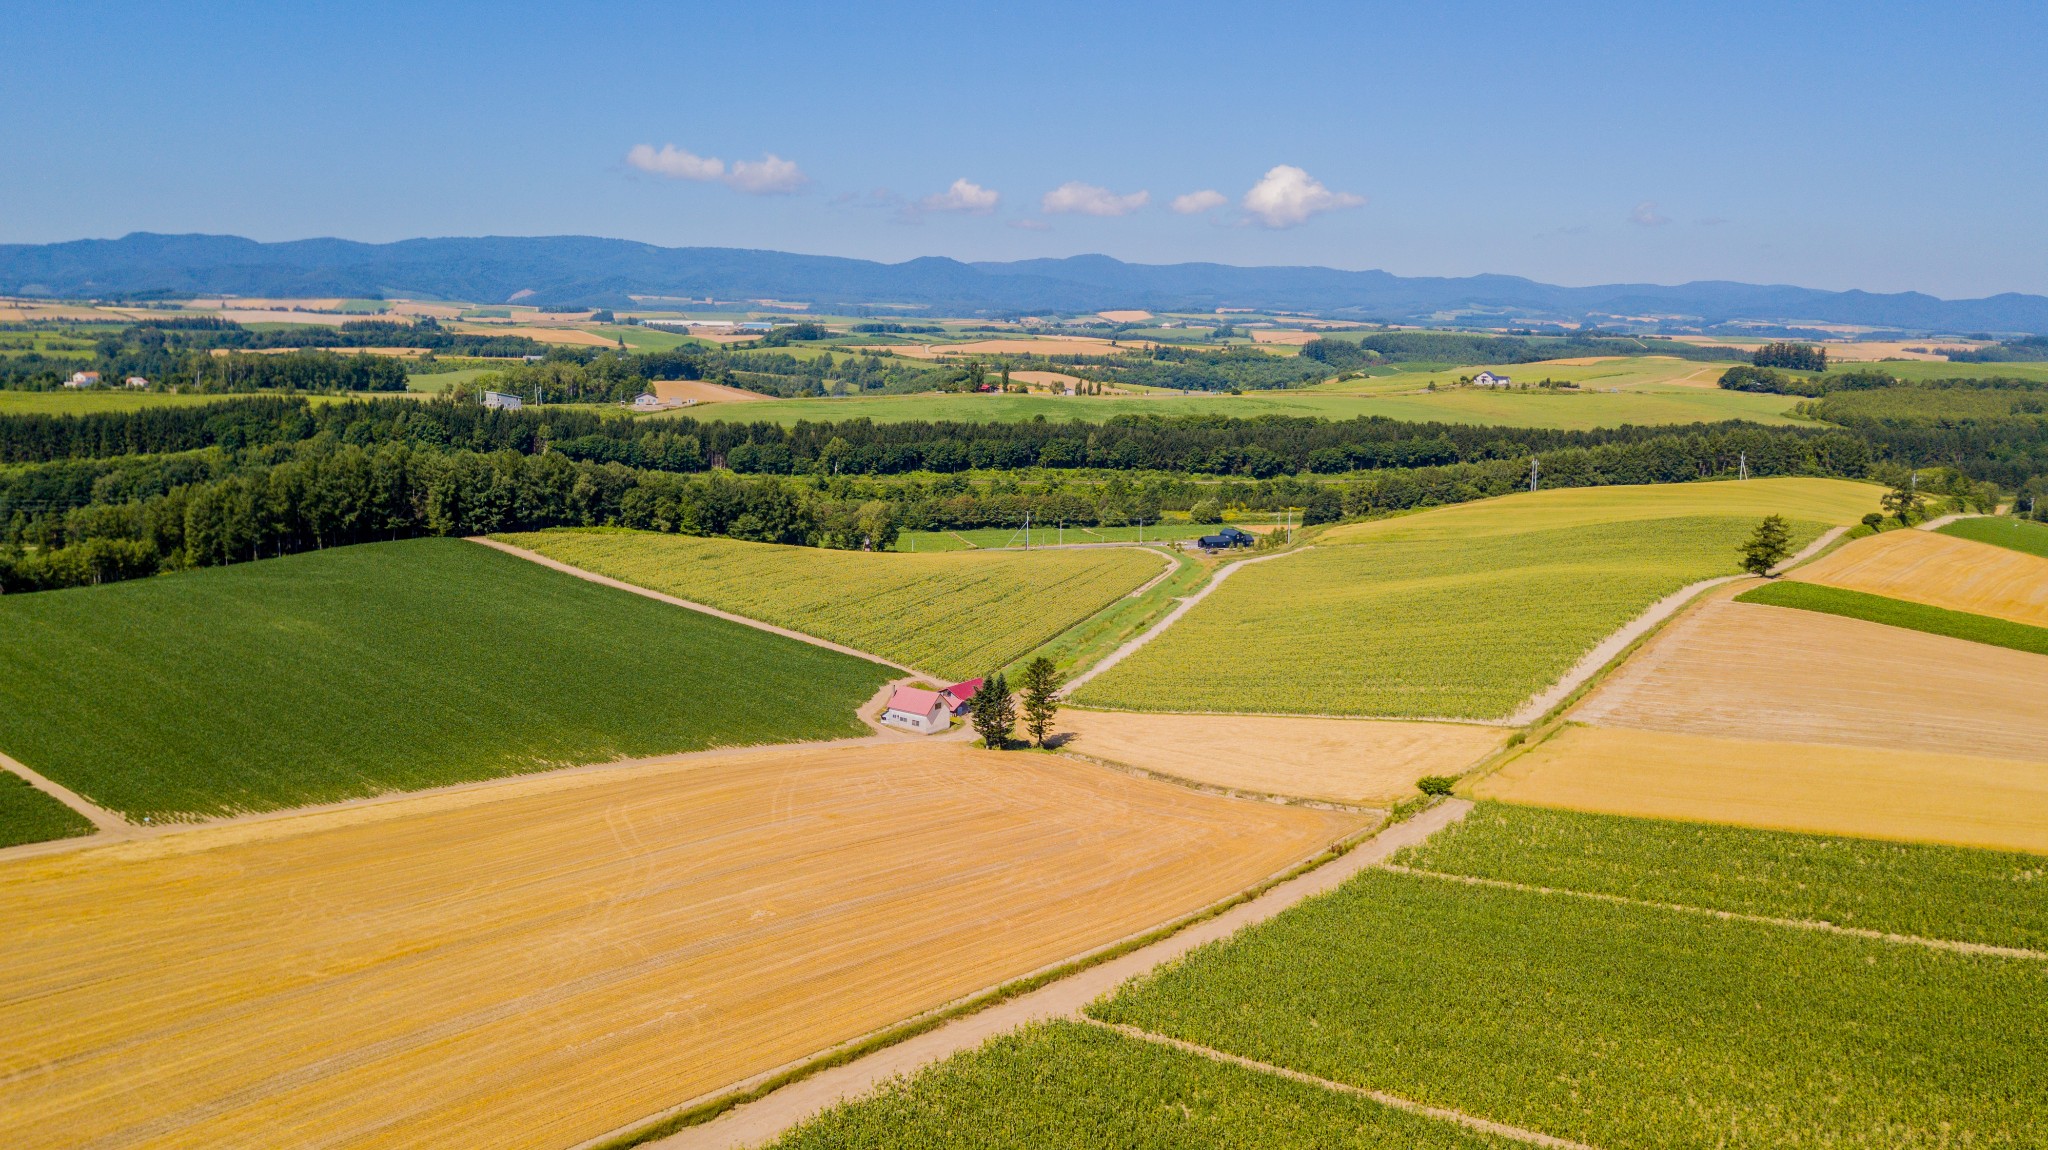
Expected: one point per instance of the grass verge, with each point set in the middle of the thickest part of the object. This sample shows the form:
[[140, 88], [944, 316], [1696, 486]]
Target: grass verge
[[2001, 531], [1900, 613]]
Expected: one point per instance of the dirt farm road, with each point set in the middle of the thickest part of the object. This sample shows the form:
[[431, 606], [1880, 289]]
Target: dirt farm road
[[1187, 604], [761, 1121], [1589, 665]]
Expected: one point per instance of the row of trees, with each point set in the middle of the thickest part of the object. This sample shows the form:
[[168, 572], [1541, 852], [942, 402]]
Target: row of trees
[[1791, 356]]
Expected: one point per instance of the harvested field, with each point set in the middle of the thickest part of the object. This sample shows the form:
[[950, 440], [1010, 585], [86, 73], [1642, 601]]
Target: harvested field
[[574, 337], [1913, 795], [1748, 671], [704, 391], [1053, 379], [959, 614], [1346, 760], [1899, 613], [1050, 345], [2002, 531], [536, 963], [1129, 315], [1942, 571], [1284, 338]]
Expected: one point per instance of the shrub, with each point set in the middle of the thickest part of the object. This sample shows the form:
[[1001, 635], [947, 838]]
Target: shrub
[[1435, 784]]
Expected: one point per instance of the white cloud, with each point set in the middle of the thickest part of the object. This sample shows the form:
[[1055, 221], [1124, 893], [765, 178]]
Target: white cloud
[[767, 176], [1077, 198], [1288, 196], [675, 163], [1645, 215], [771, 175], [1194, 203], [963, 196]]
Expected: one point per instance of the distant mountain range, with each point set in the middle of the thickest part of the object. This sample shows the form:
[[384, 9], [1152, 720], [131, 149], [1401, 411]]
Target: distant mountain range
[[582, 270]]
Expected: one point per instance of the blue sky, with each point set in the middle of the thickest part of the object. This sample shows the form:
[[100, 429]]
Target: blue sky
[[1869, 145]]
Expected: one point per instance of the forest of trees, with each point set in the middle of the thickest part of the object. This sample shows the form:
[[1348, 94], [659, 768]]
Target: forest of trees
[[1791, 356]]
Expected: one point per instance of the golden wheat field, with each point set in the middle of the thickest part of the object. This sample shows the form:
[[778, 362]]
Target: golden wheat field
[[1940, 570], [1745, 670], [1346, 760], [1966, 800], [704, 391], [538, 963]]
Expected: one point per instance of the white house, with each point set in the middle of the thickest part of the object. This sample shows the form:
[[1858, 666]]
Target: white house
[[648, 401], [502, 401], [1488, 379], [83, 379], [917, 710], [137, 381]]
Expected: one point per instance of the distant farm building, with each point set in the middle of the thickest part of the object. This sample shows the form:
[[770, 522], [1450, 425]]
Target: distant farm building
[[503, 402], [1488, 379], [959, 695], [137, 381], [83, 379], [1227, 538], [918, 710]]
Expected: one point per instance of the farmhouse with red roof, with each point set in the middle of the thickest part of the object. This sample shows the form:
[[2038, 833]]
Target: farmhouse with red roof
[[914, 709]]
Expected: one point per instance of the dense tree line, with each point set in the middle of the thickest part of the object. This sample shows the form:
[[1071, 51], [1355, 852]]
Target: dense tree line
[[2029, 349], [1791, 356], [181, 352]]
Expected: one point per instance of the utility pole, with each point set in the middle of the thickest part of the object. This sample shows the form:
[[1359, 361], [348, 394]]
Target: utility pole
[[1532, 473], [1742, 465], [1027, 519]]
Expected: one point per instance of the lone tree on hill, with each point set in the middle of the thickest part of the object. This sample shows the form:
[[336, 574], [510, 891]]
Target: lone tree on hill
[[1041, 683], [993, 711], [1904, 502], [1768, 547]]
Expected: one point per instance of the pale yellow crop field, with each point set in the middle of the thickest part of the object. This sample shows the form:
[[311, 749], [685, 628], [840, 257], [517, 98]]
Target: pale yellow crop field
[[1345, 760], [704, 391], [1920, 795], [1833, 501], [1942, 571], [960, 614], [537, 963], [1745, 670]]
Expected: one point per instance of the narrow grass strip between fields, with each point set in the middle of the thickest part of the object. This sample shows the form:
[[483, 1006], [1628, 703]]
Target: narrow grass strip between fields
[[1484, 1126], [1947, 944], [1901, 613]]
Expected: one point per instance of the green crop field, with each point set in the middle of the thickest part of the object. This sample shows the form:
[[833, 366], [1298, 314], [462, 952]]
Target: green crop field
[[440, 381], [956, 615], [84, 401], [1458, 612], [27, 815], [1564, 410], [1900, 613], [1051, 535], [1621, 1025], [1073, 1086], [2017, 534], [1993, 897], [386, 666]]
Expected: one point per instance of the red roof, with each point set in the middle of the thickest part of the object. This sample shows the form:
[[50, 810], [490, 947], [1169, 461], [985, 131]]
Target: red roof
[[912, 701], [962, 692]]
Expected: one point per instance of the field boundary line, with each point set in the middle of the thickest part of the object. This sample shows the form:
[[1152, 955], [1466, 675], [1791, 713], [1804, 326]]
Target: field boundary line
[[759, 1114], [1471, 1121], [105, 823], [701, 608], [1219, 791], [1615, 643], [1157, 629], [1812, 924], [1941, 521], [1172, 565]]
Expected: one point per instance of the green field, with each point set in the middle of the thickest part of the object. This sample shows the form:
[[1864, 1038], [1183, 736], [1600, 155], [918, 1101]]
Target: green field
[[955, 615], [1072, 1086], [27, 815], [2017, 534], [1991, 897], [388, 666], [443, 380], [1457, 612], [1562, 410], [86, 401], [1621, 1025], [1054, 535], [1900, 613]]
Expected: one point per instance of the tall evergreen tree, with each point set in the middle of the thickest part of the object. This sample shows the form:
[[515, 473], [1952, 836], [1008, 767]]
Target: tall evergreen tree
[[993, 711], [1041, 685]]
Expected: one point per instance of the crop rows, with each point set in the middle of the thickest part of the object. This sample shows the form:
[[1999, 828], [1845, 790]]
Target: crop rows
[[27, 815], [1414, 621], [2016, 534], [1071, 1086], [388, 666], [1621, 1025], [1928, 567], [1900, 613], [1994, 897], [957, 615]]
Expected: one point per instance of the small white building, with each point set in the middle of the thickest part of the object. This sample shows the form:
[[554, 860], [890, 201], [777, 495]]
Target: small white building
[[648, 401], [137, 381], [918, 710], [83, 379], [1488, 379], [502, 401]]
